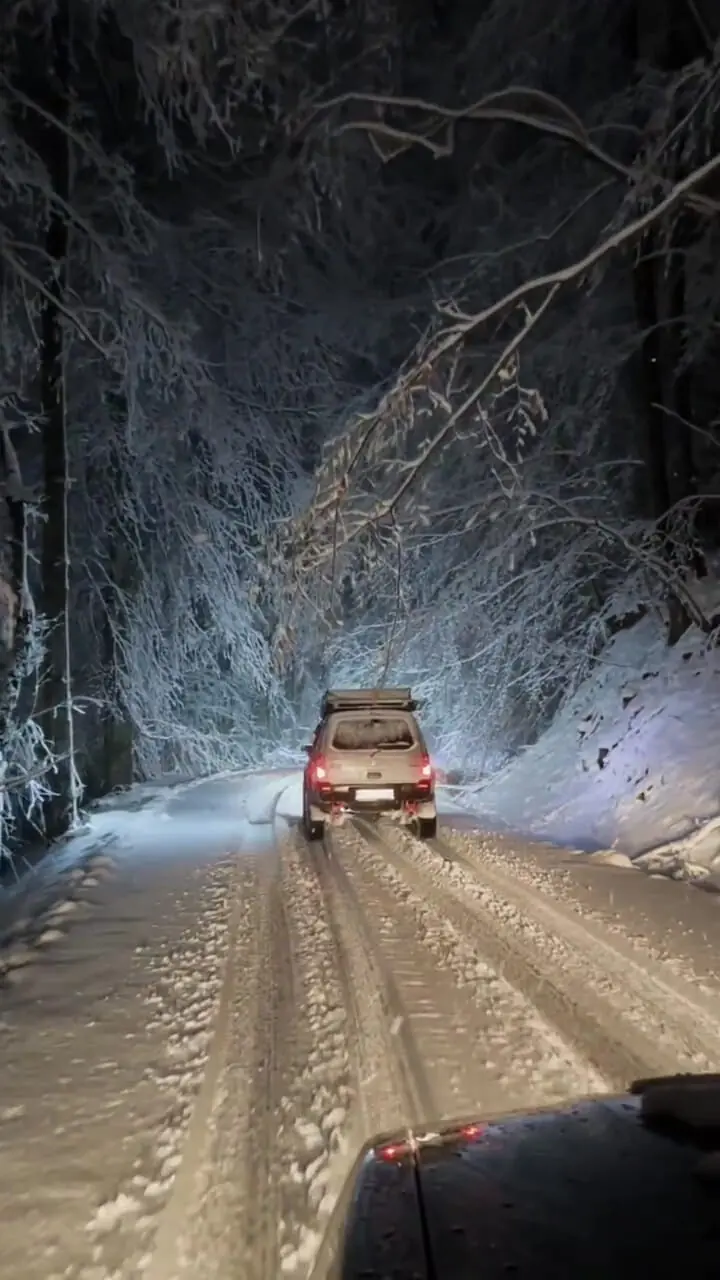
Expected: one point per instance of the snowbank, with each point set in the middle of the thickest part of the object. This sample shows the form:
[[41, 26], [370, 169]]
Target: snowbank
[[129, 824], [141, 795], [279, 795], [632, 762]]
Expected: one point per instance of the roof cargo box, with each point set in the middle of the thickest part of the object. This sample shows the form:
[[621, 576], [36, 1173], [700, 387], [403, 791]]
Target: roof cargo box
[[367, 700]]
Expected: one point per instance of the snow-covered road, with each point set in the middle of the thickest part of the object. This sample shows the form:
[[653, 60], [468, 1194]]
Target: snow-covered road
[[202, 1020]]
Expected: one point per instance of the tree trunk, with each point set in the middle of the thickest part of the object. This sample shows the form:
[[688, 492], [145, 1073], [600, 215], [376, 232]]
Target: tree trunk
[[118, 733], [654, 354], [667, 36], [15, 604], [685, 484], [55, 710], [651, 354], [16, 608]]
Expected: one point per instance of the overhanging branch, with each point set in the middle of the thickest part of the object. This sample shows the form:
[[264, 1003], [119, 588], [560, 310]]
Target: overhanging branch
[[449, 341]]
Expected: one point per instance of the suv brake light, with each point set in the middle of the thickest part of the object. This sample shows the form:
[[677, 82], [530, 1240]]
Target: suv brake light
[[426, 770], [317, 769]]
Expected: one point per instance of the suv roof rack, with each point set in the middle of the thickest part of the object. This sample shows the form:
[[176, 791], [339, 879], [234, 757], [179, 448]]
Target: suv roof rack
[[367, 700]]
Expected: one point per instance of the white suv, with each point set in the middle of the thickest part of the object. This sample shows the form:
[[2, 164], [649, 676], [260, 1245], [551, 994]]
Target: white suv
[[368, 756]]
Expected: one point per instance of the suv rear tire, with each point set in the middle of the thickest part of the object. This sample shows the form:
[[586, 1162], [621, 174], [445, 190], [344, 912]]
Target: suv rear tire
[[427, 828], [311, 830]]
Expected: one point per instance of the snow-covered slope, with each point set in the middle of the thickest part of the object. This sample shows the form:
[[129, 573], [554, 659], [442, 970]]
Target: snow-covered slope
[[631, 762]]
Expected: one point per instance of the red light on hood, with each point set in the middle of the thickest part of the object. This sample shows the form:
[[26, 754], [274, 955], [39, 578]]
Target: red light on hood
[[472, 1130], [393, 1151]]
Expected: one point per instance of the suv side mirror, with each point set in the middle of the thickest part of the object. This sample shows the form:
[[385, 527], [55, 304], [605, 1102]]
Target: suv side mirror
[[307, 748]]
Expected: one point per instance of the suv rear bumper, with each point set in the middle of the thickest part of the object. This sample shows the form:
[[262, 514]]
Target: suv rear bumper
[[406, 796]]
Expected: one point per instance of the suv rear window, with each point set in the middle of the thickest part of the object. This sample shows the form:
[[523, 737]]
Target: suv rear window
[[375, 733]]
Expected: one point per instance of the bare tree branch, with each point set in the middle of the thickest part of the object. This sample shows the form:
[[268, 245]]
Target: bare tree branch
[[551, 117], [451, 338]]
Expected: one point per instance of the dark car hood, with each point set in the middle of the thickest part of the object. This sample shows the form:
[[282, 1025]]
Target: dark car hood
[[586, 1191]]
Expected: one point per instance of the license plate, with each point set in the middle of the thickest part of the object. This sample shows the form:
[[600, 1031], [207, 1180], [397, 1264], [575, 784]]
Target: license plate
[[370, 793]]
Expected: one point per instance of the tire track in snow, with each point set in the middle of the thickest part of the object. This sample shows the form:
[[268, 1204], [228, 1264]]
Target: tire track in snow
[[172, 1245], [254, 1191], [382, 1036], [238, 1186], [675, 990], [524, 1058], [348, 981], [453, 1034], [276, 1150], [313, 1097], [598, 1000], [678, 1024], [279, 1054], [185, 1000], [355, 1070], [566, 1007], [320, 1124]]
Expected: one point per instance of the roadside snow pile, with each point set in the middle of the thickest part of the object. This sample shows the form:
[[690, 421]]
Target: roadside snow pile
[[137, 796], [156, 792], [632, 762], [39, 911], [54, 887], [290, 801], [696, 857], [266, 801], [133, 823]]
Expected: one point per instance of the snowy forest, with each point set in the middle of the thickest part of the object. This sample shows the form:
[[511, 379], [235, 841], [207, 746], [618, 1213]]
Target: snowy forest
[[352, 341]]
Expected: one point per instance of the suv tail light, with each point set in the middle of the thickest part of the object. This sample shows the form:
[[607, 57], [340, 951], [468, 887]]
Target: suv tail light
[[426, 774], [318, 772]]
